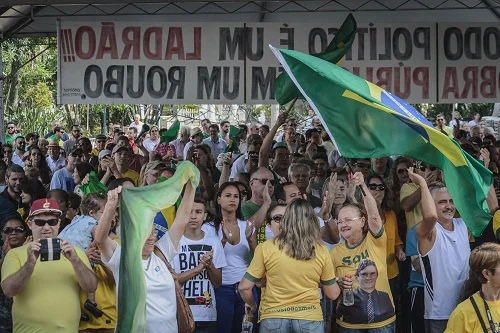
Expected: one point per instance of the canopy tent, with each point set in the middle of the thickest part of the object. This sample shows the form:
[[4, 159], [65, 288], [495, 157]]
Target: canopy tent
[[21, 18], [29, 18]]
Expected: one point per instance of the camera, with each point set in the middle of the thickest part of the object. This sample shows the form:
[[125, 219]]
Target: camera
[[50, 249]]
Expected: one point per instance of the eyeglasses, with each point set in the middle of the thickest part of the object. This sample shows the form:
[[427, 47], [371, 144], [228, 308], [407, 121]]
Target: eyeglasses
[[363, 165], [277, 218], [264, 181], [42, 223], [376, 187], [348, 221], [401, 171], [16, 230], [440, 120], [77, 155]]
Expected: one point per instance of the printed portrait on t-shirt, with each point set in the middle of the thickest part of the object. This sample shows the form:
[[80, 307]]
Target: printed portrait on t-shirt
[[370, 305]]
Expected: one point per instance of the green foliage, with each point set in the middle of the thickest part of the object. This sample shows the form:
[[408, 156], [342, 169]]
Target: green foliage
[[467, 110], [39, 96], [30, 120]]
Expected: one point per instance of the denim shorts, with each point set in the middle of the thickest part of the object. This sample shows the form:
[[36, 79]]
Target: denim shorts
[[282, 325]]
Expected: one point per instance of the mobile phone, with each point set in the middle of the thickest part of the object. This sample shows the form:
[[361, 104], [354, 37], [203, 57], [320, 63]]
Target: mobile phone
[[50, 249]]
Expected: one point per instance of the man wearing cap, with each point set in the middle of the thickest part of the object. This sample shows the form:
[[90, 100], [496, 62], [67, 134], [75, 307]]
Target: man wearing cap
[[63, 178], [46, 294], [196, 138], [215, 142], [10, 198], [54, 158], [120, 155], [100, 144]]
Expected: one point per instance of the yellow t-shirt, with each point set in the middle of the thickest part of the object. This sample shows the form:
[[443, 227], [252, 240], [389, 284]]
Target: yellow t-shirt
[[496, 224], [134, 175], [346, 261], [464, 318], [105, 297], [50, 301], [393, 239], [415, 216], [292, 285]]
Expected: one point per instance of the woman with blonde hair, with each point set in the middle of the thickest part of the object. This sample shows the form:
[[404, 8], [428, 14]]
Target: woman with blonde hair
[[479, 310], [294, 262]]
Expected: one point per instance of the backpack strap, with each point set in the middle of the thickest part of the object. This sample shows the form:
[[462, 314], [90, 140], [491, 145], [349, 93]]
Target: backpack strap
[[483, 325]]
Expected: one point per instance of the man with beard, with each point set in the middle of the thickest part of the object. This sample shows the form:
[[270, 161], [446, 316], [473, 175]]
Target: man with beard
[[11, 134], [76, 133], [10, 198], [19, 145], [225, 126]]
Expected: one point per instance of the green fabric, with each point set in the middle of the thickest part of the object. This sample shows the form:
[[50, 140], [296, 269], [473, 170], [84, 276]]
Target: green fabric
[[367, 121], [93, 186], [138, 207], [286, 90], [233, 133], [170, 134]]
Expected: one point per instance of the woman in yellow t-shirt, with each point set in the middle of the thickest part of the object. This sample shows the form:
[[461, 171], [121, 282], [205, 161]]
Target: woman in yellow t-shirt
[[395, 251], [364, 248], [294, 262], [480, 308]]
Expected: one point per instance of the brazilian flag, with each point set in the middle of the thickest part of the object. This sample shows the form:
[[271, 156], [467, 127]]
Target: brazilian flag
[[284, 87], [367, 121]]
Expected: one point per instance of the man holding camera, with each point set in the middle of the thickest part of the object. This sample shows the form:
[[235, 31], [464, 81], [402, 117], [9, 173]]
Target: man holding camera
[[45, 276]]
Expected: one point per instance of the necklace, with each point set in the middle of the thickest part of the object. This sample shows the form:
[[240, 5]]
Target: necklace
[[149, 262]]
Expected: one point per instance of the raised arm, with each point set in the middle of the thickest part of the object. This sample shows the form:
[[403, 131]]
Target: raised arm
[[410, 202], [425, 229], [226, 170], [101, 232], [182, 216], [374, 221], [268, 140], [492, 200]]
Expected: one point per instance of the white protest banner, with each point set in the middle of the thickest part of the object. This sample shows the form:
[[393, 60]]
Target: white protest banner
[[468, 62]]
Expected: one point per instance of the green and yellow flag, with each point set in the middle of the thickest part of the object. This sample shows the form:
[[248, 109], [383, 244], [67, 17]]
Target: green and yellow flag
[[284, 87], [367, 121], [170, 134], [138, 207]]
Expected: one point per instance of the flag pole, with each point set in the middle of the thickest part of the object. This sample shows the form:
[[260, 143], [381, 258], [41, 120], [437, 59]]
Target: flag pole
[[352, 170]]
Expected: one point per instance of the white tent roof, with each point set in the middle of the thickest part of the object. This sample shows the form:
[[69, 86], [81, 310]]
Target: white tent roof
[[19, 18]]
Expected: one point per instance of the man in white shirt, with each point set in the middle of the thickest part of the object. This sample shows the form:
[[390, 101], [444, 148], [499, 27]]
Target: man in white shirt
[[137, 123], [216, 144], [54, 158], [443, 246], [180, 143], [20, 146]]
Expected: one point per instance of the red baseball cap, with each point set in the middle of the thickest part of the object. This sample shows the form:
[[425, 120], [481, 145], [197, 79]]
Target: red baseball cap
[[41, 206]]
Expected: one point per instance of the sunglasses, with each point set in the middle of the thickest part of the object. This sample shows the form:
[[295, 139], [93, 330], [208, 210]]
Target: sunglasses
[[16, 230], [440, 120], [42, 223], [101, 141], [10, 127], [77, 155], [401, 171], [376, 187], [277, 218], [363, 165], [423, 168], [244, 193], [264, 181]]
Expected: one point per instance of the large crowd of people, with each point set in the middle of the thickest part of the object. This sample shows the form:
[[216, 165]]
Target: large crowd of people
[[282, 234]]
